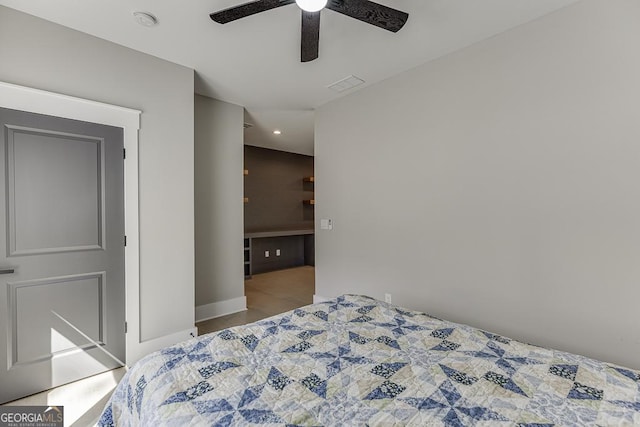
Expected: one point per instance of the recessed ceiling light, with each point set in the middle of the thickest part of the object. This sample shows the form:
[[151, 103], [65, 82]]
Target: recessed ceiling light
[[145, 19], [277, 132]]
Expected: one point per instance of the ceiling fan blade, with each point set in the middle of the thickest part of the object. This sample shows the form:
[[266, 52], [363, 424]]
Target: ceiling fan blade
[[247, 9], [371, 13], [310, 37]]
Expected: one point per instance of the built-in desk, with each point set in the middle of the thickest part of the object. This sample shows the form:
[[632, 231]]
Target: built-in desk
[[276, 249], [278, 233]]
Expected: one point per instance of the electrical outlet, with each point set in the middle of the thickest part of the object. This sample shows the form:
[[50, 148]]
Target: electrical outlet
[[277, 252], [266, 254], [387, 298]]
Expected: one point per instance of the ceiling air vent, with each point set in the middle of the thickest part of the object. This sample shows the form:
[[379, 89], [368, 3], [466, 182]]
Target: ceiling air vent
[[346, 83], [248, 125]]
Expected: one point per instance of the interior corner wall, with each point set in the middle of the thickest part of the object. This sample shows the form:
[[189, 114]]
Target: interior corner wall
[[498, 186], [43, 55], [219, 210]]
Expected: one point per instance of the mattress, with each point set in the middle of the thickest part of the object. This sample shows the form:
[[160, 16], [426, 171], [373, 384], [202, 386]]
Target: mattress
[[356, 361]]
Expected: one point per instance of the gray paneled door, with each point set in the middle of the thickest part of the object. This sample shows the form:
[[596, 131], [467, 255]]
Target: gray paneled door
[[62, 251]]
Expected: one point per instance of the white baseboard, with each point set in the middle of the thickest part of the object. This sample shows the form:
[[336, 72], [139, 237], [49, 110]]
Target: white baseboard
[[220, 308], [143, 348], [318, 298]]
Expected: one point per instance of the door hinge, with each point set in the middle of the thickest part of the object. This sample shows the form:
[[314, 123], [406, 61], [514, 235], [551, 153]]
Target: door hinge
[[125, 240], [125, 327], [124, 153]]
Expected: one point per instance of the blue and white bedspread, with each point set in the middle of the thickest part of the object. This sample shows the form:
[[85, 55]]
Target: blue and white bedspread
[[355, 361]]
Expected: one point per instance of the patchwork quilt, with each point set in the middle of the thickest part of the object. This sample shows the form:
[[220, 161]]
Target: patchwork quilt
[[356, 361]]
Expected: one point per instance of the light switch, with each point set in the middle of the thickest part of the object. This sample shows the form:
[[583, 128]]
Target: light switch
[[326, 224]]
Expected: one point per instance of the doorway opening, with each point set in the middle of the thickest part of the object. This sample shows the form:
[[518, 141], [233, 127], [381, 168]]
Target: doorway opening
[[279, 244]]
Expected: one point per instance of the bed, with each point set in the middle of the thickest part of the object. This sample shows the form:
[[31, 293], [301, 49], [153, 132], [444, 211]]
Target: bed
[[356, 361]]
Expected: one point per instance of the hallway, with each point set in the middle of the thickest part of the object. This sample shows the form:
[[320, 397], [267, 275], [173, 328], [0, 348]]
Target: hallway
[[268, 294]]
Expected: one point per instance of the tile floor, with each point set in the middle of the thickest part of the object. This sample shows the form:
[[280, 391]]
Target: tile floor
[[267, 294]]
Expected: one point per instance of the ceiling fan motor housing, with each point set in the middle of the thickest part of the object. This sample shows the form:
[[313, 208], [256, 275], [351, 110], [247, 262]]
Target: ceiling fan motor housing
[[363, 10]]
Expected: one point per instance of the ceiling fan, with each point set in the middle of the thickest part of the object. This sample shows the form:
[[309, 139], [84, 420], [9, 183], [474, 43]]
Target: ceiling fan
[[362, 10]]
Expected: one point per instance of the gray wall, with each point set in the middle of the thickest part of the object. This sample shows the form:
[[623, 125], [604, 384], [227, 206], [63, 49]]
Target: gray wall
[[275, 189], [218, 203], [43, 55], [498, 186]]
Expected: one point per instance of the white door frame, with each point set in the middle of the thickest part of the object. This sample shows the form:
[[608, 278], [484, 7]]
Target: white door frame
[[42, 102]]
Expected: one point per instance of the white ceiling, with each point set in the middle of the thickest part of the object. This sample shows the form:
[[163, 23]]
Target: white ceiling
[[255, 61]]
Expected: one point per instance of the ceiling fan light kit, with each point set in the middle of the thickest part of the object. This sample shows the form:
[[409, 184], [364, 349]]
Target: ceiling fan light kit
[[311, 5], [363, 10]]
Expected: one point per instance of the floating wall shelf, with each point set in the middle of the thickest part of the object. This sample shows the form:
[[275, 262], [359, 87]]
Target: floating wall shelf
[[310, 179]]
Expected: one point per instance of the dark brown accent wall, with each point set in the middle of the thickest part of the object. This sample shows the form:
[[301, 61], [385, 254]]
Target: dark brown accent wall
[[291, 248], [276, 191]]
